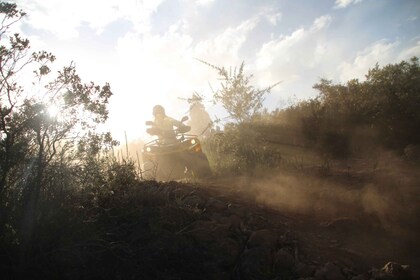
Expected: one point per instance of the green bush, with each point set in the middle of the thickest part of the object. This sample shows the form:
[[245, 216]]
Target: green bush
[[380, 112], [239, 149], [334, 144]]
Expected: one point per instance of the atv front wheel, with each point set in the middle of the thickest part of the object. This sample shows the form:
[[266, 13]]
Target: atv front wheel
[[198, 166]]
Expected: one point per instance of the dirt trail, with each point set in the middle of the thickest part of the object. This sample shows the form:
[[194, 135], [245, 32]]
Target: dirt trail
[[325, 226], [277, 226]]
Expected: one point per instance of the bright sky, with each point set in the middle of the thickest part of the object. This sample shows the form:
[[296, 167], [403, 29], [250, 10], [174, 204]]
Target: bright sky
[[146, 48]]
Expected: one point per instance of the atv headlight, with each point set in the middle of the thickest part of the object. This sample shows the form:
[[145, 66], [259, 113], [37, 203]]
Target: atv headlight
[[193, 141], [148, 149]]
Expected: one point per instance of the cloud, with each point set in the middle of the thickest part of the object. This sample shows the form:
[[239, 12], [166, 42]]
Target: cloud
[[274, 18], [63, 18], [339, 4], [321, 23], [382, 52], [204, 3], [225, 48], [409, 52], [288, 56]]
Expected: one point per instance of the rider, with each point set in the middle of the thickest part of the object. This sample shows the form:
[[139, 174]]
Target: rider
[[163, 125]]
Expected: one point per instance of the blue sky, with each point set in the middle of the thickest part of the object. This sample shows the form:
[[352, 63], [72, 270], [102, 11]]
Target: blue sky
[[146, 48]]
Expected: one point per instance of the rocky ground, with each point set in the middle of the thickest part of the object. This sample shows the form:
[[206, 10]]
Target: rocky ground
[[255, 241], [215, 229]]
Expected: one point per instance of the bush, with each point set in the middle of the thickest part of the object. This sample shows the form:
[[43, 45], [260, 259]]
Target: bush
[[239, 149], [334, 144], [358, 117]]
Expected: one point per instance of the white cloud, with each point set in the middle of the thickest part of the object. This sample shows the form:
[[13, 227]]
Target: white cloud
[[271, 51], [138, 12], [410, 52], [344, 3], [224, 48], [274, 18], [381, 52], [205, 3], [286, 57], [321, 23], [63, 18]]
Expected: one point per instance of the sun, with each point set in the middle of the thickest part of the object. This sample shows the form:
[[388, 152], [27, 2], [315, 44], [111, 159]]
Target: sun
[[53, 110]]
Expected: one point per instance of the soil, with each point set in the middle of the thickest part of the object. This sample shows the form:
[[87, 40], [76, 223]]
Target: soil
[[357, 243], [242, 227]]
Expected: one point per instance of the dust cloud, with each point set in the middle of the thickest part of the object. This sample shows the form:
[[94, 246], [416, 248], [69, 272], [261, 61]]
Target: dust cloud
[[386, 196]]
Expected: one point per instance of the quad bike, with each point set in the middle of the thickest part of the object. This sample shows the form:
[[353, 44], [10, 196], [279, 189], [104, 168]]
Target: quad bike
[[177, 158]]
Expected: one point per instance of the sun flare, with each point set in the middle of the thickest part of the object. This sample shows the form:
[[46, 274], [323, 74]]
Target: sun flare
[[53, 110]]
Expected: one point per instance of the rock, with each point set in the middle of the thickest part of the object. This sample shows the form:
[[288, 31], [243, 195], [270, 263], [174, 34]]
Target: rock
[[396, 269], [194, 201], [238, 210], [227, 250], [392, 270], [235, 221], [304, 270], [217, 217], [255, 264], [359, 277], [412, 152], [349, 273], [284, 259], [216, 205], [330, 271], [207, 231], [264, 238], [221, 276], [343, 225], [287, 239]]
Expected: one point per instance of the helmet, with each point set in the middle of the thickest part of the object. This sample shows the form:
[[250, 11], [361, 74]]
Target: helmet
[[158, 109]]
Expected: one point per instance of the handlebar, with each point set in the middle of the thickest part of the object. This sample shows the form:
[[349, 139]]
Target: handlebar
[[157, 131]]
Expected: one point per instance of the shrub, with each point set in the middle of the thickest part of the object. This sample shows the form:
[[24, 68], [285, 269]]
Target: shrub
[[239, 149]]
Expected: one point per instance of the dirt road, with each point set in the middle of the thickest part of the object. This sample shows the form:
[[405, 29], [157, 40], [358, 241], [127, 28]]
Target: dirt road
[[298, 232]]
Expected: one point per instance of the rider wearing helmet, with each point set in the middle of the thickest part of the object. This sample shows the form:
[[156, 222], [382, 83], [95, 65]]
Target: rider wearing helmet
[[163, 125]]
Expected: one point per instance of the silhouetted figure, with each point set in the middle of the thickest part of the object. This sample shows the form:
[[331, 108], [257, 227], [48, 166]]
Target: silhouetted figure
[[200, 122], [164, 126]]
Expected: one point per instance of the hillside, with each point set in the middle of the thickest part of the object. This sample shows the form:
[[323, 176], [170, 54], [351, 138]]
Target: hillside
[[265, 226]]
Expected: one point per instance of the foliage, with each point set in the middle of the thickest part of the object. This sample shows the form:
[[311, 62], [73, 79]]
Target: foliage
[[48, 136], [83, 209], [357, 117], [239, 149], [387, 102], [241, 100]]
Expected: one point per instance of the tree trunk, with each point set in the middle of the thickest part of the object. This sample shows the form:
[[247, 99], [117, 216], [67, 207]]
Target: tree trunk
[[30, 205]]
